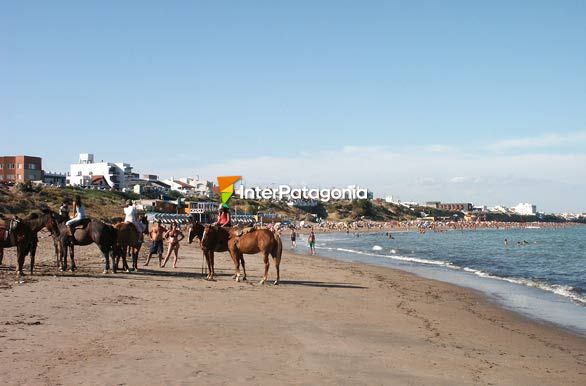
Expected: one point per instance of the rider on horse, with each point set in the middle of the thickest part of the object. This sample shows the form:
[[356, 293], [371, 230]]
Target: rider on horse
[[78, 215], [224, 219], [131, 217]]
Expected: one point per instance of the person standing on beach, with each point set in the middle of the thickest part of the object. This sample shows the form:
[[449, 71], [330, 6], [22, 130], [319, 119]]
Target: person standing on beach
[[293, 238], [156, 235], [311, 240], [174, 236]]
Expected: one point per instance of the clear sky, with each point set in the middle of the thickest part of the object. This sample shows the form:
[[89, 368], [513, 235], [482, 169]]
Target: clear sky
[[422, 100]]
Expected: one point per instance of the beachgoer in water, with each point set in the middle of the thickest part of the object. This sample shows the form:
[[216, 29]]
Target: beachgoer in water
[[293, 238], [311, 241], [506, 242], [173, 236]]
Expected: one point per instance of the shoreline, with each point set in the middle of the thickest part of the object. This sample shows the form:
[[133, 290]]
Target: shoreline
[[492, 300], [537, 300], [332, 322]]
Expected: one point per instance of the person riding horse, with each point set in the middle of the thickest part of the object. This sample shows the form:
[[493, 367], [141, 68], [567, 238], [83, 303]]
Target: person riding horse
[[131, 217], [78, 215], [224, 219]]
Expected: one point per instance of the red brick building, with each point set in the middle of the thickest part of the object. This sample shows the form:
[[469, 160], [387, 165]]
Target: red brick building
[[20, 168]]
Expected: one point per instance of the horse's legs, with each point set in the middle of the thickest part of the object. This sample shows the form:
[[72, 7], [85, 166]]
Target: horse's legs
[[235, 255], [1, 255], [211, 267], [20, 254], [57, 255], [209, 256], [33, 251], [265, 259], [243, 267], [72, 254], [106, 253], [135, 252], [277, 261], [64, 244], [124, 260]]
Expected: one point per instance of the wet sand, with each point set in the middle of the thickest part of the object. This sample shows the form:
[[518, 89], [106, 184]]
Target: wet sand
[[328, 323]]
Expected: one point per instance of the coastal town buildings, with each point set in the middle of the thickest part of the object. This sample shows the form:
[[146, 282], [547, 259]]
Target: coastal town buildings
[[190, 186], [525, 209], [87, 173], [20, 168]]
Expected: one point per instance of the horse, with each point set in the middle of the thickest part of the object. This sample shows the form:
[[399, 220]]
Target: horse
[[128, 243], [16, 233], [35, 222], [257, 241], [213, 244], [91, 231]]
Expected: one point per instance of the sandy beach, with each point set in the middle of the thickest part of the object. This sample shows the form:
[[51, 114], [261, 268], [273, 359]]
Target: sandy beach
[[329, 323]]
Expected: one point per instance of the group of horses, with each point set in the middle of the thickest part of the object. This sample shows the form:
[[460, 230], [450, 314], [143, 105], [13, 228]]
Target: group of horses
[[122, 240]]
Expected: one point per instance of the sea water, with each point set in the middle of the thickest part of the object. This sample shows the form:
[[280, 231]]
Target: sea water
[[539, 272]]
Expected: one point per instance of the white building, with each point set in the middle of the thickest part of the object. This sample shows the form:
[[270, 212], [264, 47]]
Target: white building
[[190, 186], [525, 209], [115, 175]]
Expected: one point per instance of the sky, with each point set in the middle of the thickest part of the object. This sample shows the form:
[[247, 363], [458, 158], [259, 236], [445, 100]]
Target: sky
[[481, 102]]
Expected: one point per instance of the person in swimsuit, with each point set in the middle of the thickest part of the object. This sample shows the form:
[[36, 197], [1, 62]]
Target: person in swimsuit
[[293, 238], [173, 237], [311, 240], [156, 233]]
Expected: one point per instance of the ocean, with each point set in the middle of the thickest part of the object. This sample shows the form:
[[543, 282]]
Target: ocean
[[539, 272]]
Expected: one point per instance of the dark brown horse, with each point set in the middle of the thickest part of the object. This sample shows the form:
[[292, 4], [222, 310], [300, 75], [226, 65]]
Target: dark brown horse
[[217, 242], [128, 243], [34, 222], [16, 233], [261, 241], [92, 231]]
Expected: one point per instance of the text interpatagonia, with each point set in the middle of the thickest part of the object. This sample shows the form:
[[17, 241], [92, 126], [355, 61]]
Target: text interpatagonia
[[305, 193]]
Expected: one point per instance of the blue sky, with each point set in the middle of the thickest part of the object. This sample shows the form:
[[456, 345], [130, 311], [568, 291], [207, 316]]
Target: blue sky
[[324, 92]]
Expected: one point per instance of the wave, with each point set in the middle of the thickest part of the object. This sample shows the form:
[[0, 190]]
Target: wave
[[562, 290]]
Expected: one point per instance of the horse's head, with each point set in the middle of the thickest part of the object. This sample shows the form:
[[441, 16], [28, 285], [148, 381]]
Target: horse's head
[[194, 229], [205, 237]]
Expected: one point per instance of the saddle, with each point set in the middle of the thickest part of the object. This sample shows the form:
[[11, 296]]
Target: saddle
[[7, 227], [239, 232], [83, 223]]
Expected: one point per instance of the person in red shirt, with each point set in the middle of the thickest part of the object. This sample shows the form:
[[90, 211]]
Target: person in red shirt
[[224, 219]]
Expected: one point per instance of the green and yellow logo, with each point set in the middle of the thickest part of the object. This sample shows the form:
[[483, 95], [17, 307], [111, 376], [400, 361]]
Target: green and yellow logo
[[226, 185]]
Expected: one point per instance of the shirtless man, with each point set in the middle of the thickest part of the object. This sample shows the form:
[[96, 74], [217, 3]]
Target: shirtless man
[[156, 234], [173, 236]]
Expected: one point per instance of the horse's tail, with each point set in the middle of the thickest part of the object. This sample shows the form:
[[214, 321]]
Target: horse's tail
[[278, 249]]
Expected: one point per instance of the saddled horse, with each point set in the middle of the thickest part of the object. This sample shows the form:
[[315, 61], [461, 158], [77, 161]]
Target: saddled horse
[[88, 232], [34, 222], [215, 243], [16, 233], [128, 243], [261, 241]]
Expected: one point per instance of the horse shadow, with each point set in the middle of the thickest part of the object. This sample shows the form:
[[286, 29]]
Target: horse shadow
[[321, 284]]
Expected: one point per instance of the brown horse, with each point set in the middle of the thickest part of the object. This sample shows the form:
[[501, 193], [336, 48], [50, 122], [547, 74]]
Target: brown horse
[[217, 242], [16, 233], [257, 241], [128, 243], [92, 231], [35, 222]]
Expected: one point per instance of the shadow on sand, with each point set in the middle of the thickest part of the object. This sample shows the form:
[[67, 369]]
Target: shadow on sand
[[321, 284]]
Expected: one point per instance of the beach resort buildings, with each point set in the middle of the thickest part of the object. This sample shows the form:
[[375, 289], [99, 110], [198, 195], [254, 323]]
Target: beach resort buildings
[[20, 168], [525, 209], [190, 186], [87, 173]]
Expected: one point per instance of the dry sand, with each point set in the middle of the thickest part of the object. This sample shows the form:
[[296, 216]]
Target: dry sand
[[329, 323]]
